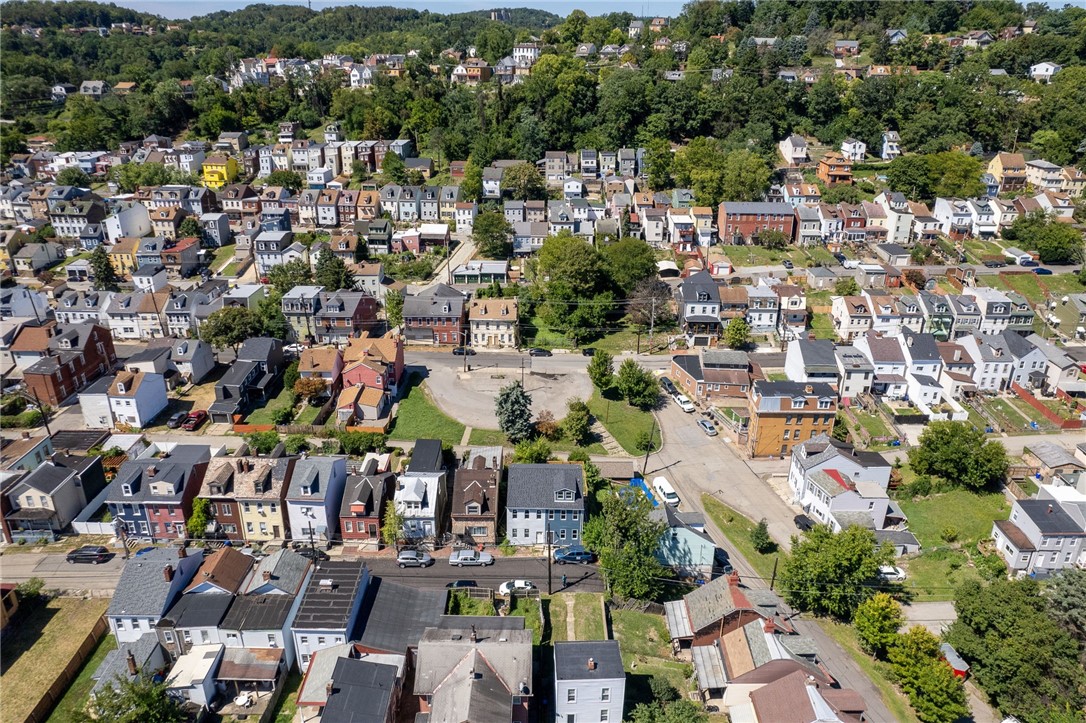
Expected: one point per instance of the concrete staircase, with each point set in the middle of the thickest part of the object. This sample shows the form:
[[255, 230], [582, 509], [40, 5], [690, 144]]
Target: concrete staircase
[[609, 443]]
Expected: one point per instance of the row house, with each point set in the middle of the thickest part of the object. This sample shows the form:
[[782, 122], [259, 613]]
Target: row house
[[955, 218], [151, 498], [437, 316], [742, 221], [342, 315], [42, 503], [712, 374], [786, 413], [1009, 170], [126, 399], [300, 306], [474, 503], [68, 219], [700, 309], [374, 362], [67, 358], [75, 307], [366, 498]]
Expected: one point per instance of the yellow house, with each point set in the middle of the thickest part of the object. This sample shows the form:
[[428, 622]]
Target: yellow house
[[219, 171], [123, 255], [259, 488]]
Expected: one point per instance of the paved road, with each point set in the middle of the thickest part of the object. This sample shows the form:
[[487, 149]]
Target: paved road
[[58, 574], [580, 578]]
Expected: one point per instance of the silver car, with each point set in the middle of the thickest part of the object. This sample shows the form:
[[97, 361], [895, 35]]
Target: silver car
[[414, 558], [707, 427]]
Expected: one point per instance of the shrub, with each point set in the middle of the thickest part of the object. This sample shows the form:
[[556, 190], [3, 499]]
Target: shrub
[[920, 487], [546, 425], [262, 442], [991, 567], [662, 689], [283, 416], [295, 443], [759, 537], [949, 534], [644, 442], [28, 419]]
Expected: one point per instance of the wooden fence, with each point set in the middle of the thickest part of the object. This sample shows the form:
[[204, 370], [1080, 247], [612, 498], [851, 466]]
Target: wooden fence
[[1042, 409], [56, 691]]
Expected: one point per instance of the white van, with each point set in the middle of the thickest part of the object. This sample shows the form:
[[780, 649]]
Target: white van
[[684, 404], [665, 492]]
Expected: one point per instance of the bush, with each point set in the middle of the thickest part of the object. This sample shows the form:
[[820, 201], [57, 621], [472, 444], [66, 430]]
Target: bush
[[507, 548], [29, 419], [920, 487], [662, 689], [296, 443], [949, 534], [759, 537], [12, 406], [644, 442], [283, 416], [991, 567], [546, 425], [330, 446], [262, 442]]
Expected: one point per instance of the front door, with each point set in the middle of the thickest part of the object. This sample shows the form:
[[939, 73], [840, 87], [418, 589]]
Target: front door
[[275, 532]]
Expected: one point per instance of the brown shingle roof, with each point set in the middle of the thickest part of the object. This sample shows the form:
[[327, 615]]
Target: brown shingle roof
[[227, 568]]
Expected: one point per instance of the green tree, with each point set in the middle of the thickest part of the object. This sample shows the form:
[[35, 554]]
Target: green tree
[[772, 239], [471, 185], [132, 700], [262, 442], [910, 175], [532, 451], [960, 454], [934, 692], [759, 537], [391, 526], [514, 412], [289, 180], [105, 277], [284, 277], [846, 287], [577, 426], [626, 538], [310, 388], [524, 183], [11, 142], [190, 228], [393, 169], [658, 158], [637, 385], [394, 307], [269, 318], [73, 176], [956, 174], [737, 334], [1055, 242], [492, 235], [601, 370], [198, 519], [291, 375], [629, 262], [1066, 595], [332, 273], [228, 327], [831, 573], [649, 304], [877, 621]]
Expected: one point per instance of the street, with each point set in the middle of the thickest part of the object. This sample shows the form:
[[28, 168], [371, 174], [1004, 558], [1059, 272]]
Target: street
[[580, 578], [58, 574]]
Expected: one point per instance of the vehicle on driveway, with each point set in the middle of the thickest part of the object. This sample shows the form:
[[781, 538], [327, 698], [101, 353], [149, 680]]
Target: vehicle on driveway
[[92, 554], [803, 522], [891, 573], [665, 492], [194, 420], [312, 553], [788, 264], [668, 385], [177, 419], [574, 555], [707, 427], [470, 557], [684, 404], [463, 351], [414, 558], [539, 352], [510, 585], [461, 583]]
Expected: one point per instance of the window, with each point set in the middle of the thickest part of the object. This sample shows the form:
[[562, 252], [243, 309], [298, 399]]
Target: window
[[605, 694], [539, 514], [348, 526], [571, 695], [514, 514], [303, 640], [514, 533], [562, 534], [525, 533], [167, 635], [320, 640], [603, 715], [563, 515], [574, 534], [249, 527]]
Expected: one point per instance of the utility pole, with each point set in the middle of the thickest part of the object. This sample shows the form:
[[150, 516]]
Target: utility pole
[[550, 561], [652, 436], [522, 371], [652, 323], [773, 578], [41, 410]]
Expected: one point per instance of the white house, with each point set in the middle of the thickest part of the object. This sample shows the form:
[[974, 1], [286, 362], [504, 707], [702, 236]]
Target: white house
[[132, 221], [192, 677], [589, 681], [1043, 72], [148, 587], [794, 150], [854, 150], [821, 453], [891, 145], [314, 495], [420, 491], [127, 398], [330, 607]]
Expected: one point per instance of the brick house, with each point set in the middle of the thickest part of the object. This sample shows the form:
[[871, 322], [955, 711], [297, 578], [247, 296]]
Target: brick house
[[438, 316], [741, 220], [152, 497], [834, 169], [374, 362], [71, 358], [712, 374], [474, 509], [363, 507]]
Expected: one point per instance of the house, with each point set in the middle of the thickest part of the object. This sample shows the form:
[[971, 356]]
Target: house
[[993, 358], [148, 588], [811, 361], [798, 696], [846, 48], [259, 487], [1009, 169], [712, 374], [254, 376], [1041, 536], [855, 374], [436, 316], [142, 658], [794, 150], [889, 364], [364, 690], [700, 306], [545, 500], [589, 681], [43, 502], [343, 315], [466, 674], [741, 222], [329, 607], [361, 514], [891, 145], [313, 497], [1044, 176], [374, 362], [94, 89], [151, 498], [835, 169], [493, 323], [783, 413], [474, 508], [421, 491], [701, 617], [127, 399], [33, 258], [67, 358], [684, 548], [1060, 369], [192, 677], [1051, 460], [851, 316], [1041, 72]]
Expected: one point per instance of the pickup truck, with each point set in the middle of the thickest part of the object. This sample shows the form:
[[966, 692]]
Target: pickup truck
[[470, 557]]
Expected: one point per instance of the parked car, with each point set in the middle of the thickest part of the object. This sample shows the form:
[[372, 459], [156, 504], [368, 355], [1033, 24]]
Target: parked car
[[665, 492], [463, 351], [470, 557], [194, 420], [803, 522], [992, 264], [312, 553], [177, 419], [414, 558], [93, 554], [707, 427], [668, 385], [510, 585], [574, 555], [684, 404], [539, 352], [588, 351], [1028, 264], [1042, 271], [891, 573], [788, 264], [461, 583]]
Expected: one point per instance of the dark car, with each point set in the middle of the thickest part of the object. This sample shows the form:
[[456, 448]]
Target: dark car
[[588, 351], [312, 553], [574, 555], [788, 264], [803, 522], [93, 554], [462, 583], [1041, 271], [463, 351], [194, 420], [177, 419], [1028, 264], [538, 352], [992, 264]]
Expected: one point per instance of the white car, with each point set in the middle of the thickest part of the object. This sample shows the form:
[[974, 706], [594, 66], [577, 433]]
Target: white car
[[684, 404], [509, 586], [891, 573]]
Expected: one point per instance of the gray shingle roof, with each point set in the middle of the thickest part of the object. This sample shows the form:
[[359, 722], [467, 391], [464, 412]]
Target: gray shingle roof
[[395, 616], [143, 589], [287, 569], [361, 691], [571, 660], [426, 456], [533, 486], [258, 612], [316, 474]]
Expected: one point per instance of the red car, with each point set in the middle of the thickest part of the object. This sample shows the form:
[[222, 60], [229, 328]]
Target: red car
[[194, 420]]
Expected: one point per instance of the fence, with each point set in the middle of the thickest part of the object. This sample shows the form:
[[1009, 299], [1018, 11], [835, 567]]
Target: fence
[[1042, 409], [56, 691], [83, 523], [252, 428]]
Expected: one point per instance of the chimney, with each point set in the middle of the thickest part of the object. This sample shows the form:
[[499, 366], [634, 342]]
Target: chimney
[[591, 663], [152, 471], [957, 355], [808, 389], [1050, 509], [328, 688], [733, 579], [167, 573], [26, 435], [182, 552], [267, 576], [770, 626], [474, 636], [131, 660], [241, 465]]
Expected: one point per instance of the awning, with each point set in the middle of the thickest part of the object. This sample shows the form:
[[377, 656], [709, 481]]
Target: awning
[[250, 664], [709, 666], [678, 620]]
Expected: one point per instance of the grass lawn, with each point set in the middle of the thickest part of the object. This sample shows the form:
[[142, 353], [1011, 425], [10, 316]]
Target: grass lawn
[[419, 418], [646, 653], [221, 255], [821, 254], [737, 529], [625, 423], [79, 691], [1007, 415], [588, 616], [231, 269], [38, 647], [822, 326], [873, 424], [529, 609], [556, 608], [460, 603], [266, 414], [942, 566], [493, 437], [307, 415], [73, 259], [287, 709], [1031, 414], [742, 256], [845, 636], [819, 298]]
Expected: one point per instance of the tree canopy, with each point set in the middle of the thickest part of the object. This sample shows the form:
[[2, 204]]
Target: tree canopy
[[960, 454], [626, 540], [514, 412], [831, 573]]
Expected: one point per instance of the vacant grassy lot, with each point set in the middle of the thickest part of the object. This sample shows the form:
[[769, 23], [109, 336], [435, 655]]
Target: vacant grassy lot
[[221, 256], [79, 691], [588, 617], [737, 529], [557, 610], [287, 709], [624, 422], [646, 653], [419, 418], [460, 603], [822, 326], [1011, 417], [39, 645], [529, 609], [745, 256], [266, 414], [493, 437]]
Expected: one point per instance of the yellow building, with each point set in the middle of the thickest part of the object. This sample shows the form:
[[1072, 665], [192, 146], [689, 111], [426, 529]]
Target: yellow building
[[785, 413], [259, 487], [123, 256], [219, 171]]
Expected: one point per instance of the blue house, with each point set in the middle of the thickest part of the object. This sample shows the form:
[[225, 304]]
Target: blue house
[[683, 547], [542, 498]]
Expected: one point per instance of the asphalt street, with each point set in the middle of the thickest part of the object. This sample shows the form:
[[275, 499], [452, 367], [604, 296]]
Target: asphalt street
[[60, 575], [580, 578]]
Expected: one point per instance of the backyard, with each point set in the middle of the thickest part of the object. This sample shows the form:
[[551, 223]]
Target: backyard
[[494, 438], [646, 653], [626, 423], [221, 255], [419, 418], [79, 691], [588, 616], [530, 609], [267, 413], [750, 255], [737, 529]]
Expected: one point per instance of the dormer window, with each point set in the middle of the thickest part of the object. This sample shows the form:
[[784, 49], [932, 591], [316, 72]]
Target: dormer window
[[307, 490], [798, 403], [563, 496], [473, 508], [126, 490], [120, 387]]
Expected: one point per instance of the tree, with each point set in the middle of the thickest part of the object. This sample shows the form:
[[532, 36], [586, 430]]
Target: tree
[[737, 334], [910, 175], [877, 621], [773, 239], [492, 235], [960, 454], [394, 307], [310, 388], [846, 287], [524, 183], [228, 328], [196, 524], [393, 169], [289, 180], [284, 277], [332, 273], [291, 375], [471, 186], [601, 370], [391, 525], [626, 538], [1055, 242], [831, 573], [1066, 594], [262, 442], [649, 304], [759, 537], [514, 411], [132, 700], [629, 262], [676, 711], [73, 176], [577, 425], [105, 277], [637, 385], [190, 228], [530, 451], [269, 318], [935, 693], [547, 426]]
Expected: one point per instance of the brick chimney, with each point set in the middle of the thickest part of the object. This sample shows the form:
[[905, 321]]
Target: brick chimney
[[167, 573], [770, 626], [733, 579], [182, 552], [131, 660], [591, 663], [267, 576]]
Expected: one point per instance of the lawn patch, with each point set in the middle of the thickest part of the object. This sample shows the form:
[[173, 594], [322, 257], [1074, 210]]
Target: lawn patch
[[646, 653], [287, 709], [556, 608], [737, 529], [266, 414], [75, 698], [420, 418], [494, 438], [588, 617], [221, 255], [308, 415], [625, 423], [460, 603], [528, 608]]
